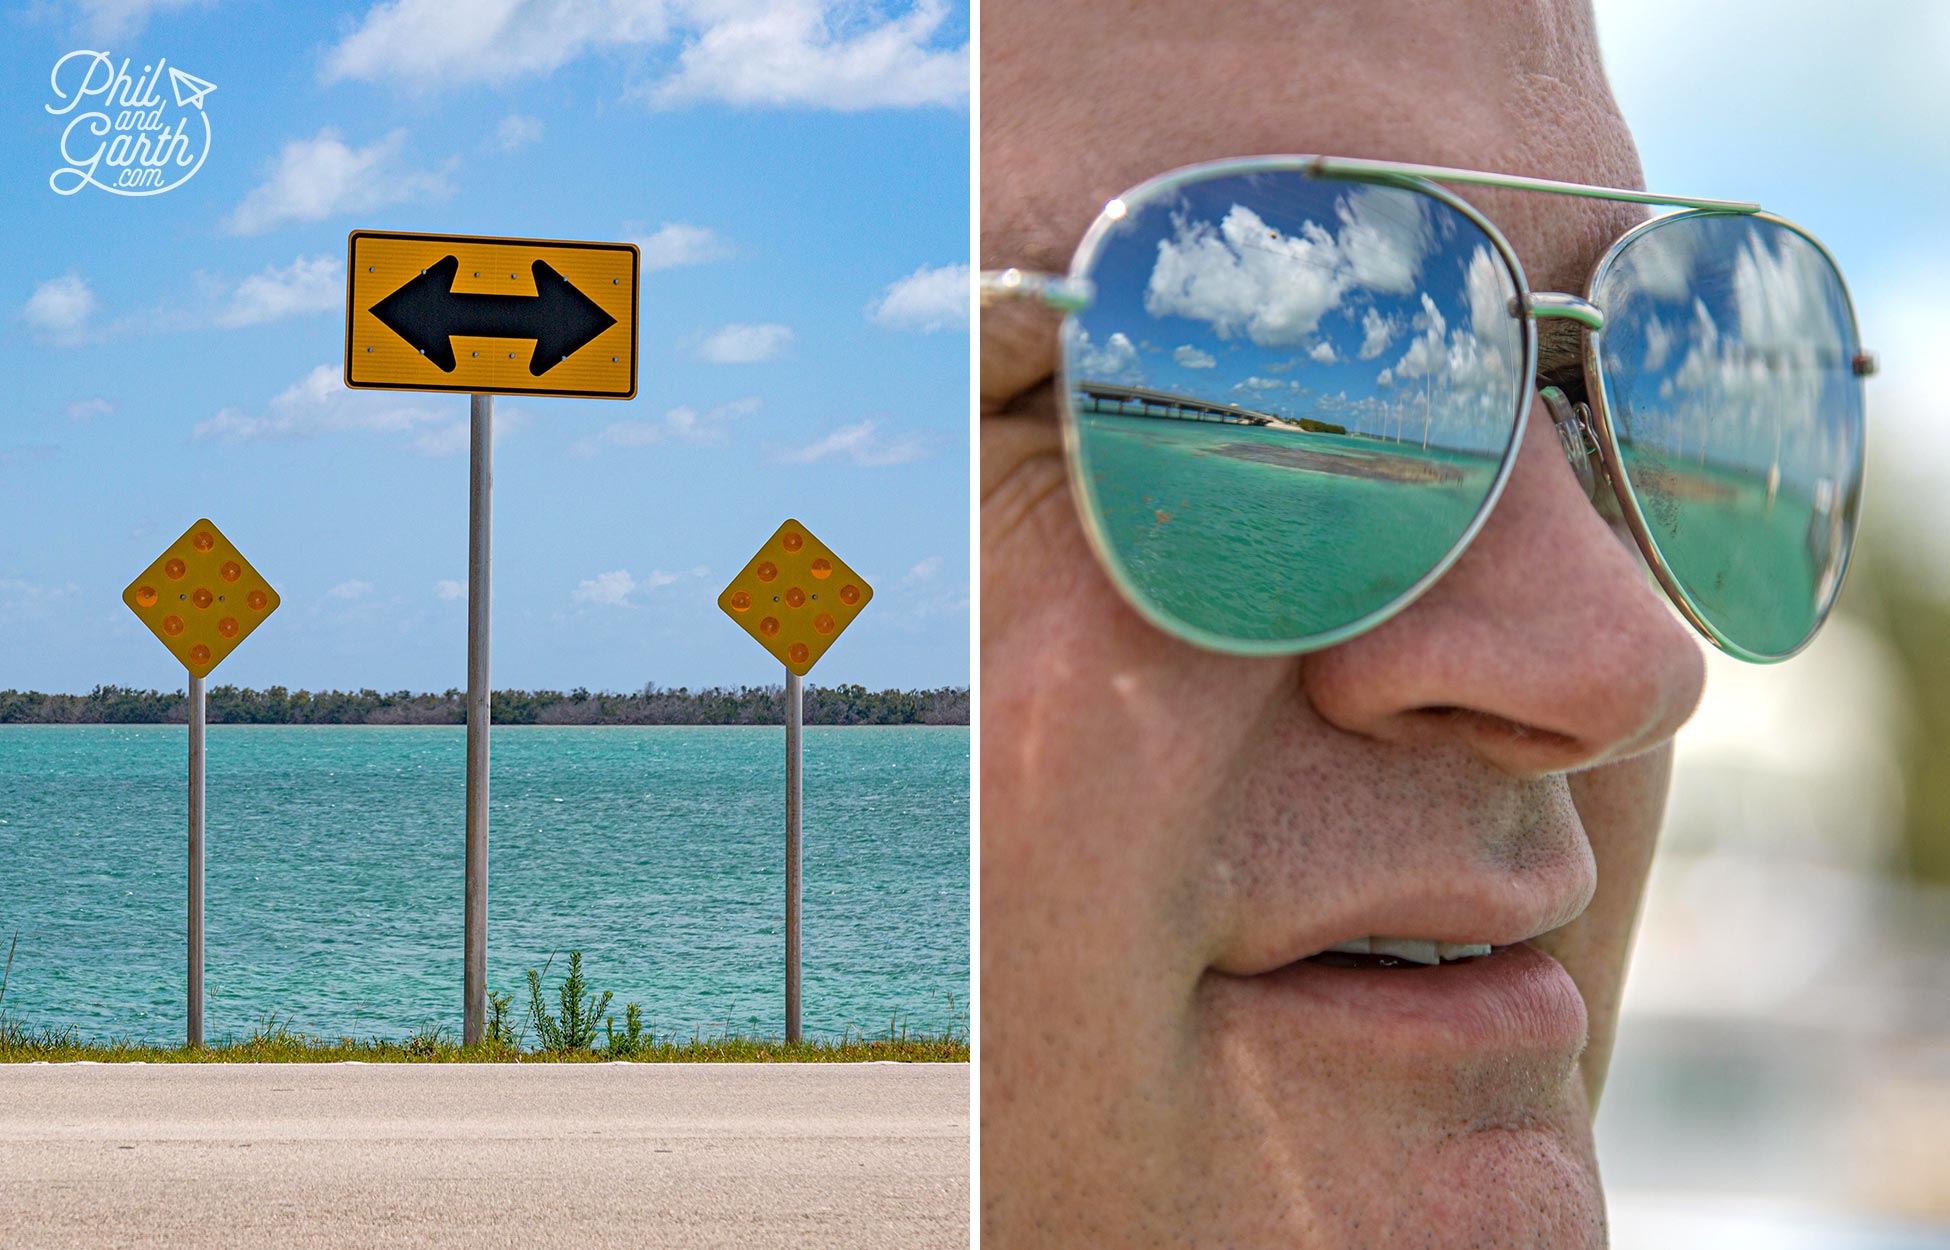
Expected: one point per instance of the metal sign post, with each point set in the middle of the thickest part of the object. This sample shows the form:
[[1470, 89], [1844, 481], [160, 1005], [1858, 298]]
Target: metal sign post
[[201, 598], [487, 316], [196, 862], [795, 597], [794, 721], [480, 533]]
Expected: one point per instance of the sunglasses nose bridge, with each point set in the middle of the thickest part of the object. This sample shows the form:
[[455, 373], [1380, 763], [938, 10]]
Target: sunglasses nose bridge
[[1562, 304]]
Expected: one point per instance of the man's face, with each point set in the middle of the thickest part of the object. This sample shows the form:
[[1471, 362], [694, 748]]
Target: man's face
[[1168, 833]]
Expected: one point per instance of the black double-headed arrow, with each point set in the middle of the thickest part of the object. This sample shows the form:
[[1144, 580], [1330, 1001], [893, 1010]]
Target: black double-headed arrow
[[427, 312]]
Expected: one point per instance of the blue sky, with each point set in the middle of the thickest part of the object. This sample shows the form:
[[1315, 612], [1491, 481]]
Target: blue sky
[[797, 176]]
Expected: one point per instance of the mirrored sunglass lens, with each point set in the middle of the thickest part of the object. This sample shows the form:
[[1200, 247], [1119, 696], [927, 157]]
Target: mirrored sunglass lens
[[1291, 399], [1728, 361]]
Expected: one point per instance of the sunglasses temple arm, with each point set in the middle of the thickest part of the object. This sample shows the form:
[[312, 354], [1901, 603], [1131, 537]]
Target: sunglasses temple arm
[[1052, 290]]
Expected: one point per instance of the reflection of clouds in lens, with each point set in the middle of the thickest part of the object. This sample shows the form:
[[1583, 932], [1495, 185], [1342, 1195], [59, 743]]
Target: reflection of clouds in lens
[[1467, 375], [1753, 385], [1377, 332], [1489, 297], [1780, 296], [1739, 417], [1115, 361], [1659, 339], [1384, 238], [1660, 264], [1378, 311], [1246, 277]]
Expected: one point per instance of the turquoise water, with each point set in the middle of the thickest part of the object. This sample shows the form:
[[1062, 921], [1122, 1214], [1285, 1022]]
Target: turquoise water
[[334, 875], [1269, 534], [1760, 569]]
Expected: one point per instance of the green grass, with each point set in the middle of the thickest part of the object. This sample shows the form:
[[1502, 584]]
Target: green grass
[[58, 1046], [569, 1035]]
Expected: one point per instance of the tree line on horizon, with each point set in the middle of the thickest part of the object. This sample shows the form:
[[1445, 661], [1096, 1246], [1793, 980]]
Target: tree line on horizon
[[652, 705]]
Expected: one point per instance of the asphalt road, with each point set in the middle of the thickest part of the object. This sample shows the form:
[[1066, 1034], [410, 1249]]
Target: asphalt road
[[283, 1156]]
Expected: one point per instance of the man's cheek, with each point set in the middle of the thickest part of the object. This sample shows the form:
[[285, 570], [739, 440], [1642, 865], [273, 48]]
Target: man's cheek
[[1621, 806]]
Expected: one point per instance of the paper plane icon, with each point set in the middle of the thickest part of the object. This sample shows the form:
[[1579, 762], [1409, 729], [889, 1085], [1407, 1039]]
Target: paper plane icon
[[190, 89]]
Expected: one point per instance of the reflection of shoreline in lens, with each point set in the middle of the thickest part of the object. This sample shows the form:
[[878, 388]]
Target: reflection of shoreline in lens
[[1273, 534]]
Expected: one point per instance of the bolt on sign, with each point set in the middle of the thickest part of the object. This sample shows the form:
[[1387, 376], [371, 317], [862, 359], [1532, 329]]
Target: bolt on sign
[[201, 598], [447, 312], [795, 597]]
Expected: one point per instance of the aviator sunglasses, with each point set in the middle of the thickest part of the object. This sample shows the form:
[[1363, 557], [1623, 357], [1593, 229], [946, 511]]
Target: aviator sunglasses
[[1293, 387]]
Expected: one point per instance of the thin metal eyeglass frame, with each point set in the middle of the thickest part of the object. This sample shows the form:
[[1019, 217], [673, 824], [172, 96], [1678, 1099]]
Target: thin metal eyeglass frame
[[1070, 293]]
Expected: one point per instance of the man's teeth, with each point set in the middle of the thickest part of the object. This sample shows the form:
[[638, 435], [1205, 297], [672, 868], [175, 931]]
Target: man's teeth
[[1413, 950]]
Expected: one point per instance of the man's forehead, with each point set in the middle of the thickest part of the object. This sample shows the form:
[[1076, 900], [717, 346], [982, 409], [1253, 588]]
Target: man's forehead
[[1079, 105]]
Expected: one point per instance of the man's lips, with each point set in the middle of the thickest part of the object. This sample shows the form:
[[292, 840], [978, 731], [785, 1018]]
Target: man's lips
[[1514, 1001]]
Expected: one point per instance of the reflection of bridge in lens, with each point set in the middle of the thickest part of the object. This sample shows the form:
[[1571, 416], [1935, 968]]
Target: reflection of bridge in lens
[[1111, 398]]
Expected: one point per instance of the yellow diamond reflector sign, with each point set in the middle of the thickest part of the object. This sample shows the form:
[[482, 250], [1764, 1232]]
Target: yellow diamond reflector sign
[[795, 597], [451, 312], [201, 597]]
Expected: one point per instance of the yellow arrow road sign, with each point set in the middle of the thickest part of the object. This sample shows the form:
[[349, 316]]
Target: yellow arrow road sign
[[201, 598], [795, 596], [439, 312]]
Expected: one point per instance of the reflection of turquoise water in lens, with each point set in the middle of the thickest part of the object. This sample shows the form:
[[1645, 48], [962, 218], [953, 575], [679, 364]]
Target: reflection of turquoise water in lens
[[1272, 535], [334, 875], [1753, 568]]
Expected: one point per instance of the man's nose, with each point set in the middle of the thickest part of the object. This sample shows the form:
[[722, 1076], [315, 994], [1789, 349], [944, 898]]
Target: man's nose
[[1544, 648]]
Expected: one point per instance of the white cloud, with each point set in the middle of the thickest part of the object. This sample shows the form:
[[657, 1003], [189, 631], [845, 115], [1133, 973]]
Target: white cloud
[[1659, 338], [611, 589], [448, 590], [306, 285], [616, 588], [517, 130], [676, 243], [1115, 361], [745, 343], [804, 52], [323, 176], [60, 308], [1739, 393], [83, 409], [349, 590], [420, 45], [1323, 353], [22, 601], [1192, 358], [816, 53], [1244, 277], [926, 569], [448, 438], [927, 299], [1377, 332], [682, 424], [1385, 235], [1458, 382], [319, 403], [862, 444], [110, 20]]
